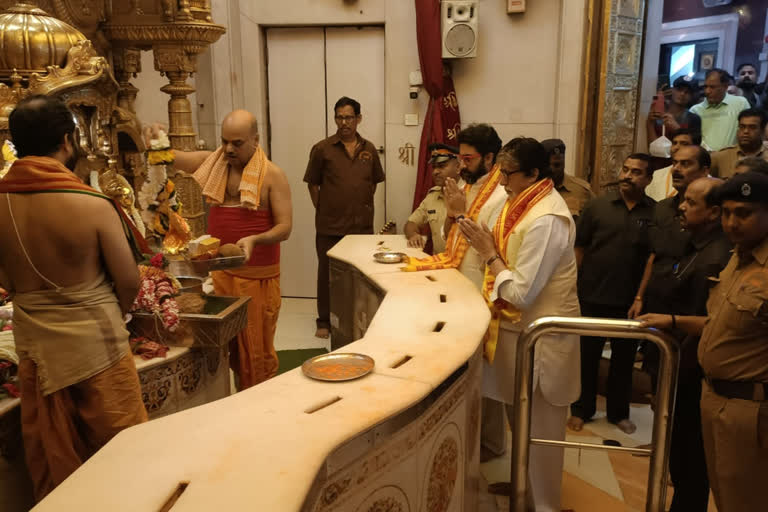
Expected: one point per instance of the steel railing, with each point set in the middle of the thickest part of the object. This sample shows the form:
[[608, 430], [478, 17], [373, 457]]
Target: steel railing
[[665, 401]]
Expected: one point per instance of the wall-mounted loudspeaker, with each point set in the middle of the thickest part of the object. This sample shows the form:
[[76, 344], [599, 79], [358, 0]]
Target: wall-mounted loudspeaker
[[460, 28]]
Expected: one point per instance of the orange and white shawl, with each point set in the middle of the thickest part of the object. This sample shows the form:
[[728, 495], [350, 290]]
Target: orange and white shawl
[[212, 177], [456, 245], [511, 214]]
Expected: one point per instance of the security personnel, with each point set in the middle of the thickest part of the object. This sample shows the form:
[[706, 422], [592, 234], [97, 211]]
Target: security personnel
[[750, 144], [432, 211], [733, 352], [575, 191]]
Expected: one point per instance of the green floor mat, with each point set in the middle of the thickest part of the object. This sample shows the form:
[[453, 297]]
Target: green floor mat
[[290, 359]]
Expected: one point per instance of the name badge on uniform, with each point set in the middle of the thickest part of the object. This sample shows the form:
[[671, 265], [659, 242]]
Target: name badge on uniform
[[431, 211]]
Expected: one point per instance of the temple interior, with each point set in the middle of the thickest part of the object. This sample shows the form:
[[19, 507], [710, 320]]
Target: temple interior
[[379, 401]]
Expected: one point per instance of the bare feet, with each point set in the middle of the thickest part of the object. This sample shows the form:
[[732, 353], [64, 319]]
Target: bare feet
[[322, 332], [500, 488], [575, 423], [626, 426]]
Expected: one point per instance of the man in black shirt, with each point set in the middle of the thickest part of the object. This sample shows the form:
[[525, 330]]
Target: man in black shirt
[[667, 238], [682, 289], [611, 250]]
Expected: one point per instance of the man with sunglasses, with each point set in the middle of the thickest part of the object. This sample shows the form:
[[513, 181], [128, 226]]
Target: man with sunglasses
[[479, 197], [481, 193], [342, 175]]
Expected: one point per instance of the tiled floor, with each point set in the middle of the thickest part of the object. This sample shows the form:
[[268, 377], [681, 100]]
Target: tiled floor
[[594, 481], [296, 325]]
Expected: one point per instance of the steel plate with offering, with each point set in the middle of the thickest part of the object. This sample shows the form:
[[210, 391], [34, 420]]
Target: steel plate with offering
[[390, 257], [338, 367], [223, 263]]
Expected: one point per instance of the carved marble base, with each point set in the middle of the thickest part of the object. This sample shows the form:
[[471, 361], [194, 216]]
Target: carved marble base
[[190, 377], [424, 459]]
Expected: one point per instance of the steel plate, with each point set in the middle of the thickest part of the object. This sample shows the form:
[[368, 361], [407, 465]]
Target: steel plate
[[202, 267], [390, 257], [338, 367]]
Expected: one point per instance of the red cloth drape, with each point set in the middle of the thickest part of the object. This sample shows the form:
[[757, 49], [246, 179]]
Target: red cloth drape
[[442, 122]]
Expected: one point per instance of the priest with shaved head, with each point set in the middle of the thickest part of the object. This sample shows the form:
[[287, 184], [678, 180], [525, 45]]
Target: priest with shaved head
[[250, 206]]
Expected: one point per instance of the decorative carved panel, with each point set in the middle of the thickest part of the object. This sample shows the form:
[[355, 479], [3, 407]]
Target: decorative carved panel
[[630, 8], [626, 55], [616, 121]]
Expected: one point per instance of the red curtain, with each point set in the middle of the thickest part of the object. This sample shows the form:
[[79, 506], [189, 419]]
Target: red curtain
[[442, 122]]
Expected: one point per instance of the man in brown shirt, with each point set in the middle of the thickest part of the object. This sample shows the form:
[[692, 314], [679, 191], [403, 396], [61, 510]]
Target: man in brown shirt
[[575, 191], [750, 136], [342, 174], [733, 352]]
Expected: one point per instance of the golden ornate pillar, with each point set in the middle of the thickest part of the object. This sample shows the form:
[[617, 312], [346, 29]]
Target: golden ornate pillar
[[127, 64], [176, 31], [177, 64], [609, 103]]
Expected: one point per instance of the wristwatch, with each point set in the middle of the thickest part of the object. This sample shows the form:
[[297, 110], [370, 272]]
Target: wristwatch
[[492, 259]]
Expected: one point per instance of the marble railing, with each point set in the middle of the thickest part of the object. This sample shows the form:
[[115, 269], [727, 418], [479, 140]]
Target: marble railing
[[404, 438]]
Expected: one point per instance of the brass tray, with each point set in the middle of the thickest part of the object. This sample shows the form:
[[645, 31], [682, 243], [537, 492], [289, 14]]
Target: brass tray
[[390, 257], [338, 367], [205, 266]]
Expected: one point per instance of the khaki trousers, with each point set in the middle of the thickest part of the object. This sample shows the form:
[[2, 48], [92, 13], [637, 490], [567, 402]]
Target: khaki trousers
[[736, 445]]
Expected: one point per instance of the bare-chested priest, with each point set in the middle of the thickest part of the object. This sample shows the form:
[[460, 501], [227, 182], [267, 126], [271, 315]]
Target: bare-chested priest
[[251, 207], [71, 284]]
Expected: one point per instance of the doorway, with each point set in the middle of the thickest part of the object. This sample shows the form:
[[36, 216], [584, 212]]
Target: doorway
[[308, 70]]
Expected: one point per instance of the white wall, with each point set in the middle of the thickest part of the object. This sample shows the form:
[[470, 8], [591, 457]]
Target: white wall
[[525, 80], [151, 103]]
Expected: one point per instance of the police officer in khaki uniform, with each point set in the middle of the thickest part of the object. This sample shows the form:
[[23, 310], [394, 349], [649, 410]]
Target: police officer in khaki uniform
[[432, 210], [750, 136], [575, 191], [733, 352]]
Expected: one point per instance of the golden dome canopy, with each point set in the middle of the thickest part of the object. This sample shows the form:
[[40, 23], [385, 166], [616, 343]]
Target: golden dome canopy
[[31, 39]]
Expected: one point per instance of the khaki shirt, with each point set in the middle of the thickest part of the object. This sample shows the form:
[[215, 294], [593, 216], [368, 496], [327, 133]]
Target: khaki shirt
[[734, 343], [432, 211], [726, 160], [576, 192]]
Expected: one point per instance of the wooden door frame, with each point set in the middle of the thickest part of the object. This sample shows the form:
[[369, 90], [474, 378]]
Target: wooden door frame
[[595, 43], [594, 93]]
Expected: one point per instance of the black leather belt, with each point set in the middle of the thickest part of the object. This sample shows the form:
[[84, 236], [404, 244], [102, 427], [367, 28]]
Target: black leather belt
[[756, 391]]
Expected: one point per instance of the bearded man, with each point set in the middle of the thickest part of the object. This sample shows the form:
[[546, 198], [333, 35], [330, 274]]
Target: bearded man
[[71, 282], [530, 272]]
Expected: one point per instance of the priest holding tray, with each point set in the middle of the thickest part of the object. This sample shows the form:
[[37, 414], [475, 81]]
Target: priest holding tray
[[250, 207]]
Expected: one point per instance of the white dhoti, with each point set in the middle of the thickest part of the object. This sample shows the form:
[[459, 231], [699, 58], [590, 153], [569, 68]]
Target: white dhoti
[[535, 233], [548, 421]]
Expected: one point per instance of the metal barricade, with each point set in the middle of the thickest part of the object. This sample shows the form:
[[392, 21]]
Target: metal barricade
[[665, 401]]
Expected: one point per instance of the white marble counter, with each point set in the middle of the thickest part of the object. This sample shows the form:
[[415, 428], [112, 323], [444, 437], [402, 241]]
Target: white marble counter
[[260, 449]]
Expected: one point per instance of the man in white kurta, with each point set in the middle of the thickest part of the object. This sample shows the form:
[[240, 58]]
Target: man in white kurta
[[536, 276]]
